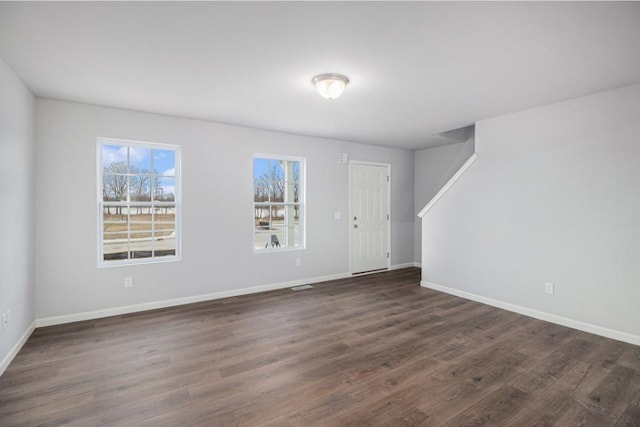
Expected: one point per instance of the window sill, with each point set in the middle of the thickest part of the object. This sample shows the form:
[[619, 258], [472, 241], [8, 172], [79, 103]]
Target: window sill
[[272, 251], [139, 261]]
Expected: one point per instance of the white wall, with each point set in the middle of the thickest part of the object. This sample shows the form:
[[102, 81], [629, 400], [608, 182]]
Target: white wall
[[217, 208], [17, 167], [554, 196], [433, 168]]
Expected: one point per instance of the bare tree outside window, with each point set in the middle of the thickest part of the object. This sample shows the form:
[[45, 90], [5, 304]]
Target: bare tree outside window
[[277, 203], [139, 201]]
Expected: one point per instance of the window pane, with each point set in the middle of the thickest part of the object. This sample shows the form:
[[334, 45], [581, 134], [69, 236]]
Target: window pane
[[113, 221], [276, 170], [114, 154], [277, 215], [289, 225], [296, 231], [165, 231], [260, 180], [262, 228], [260, 192], [165, 223], [114, 188], [276, 181], [140, 188], [296, 182], [165, 241], [165, 190], [276, 191], [278, 227], [291, 173], [260, 168], [262, 216], [139, 160], [141, 244], [165, 213], [140, 219], [164, 162], [115, 246], [289, 192], [142, 253]]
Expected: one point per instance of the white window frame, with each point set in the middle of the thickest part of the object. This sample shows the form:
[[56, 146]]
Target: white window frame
[[302, 202], [101, 141]]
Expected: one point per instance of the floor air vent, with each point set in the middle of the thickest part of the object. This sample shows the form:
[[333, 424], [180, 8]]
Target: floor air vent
[[301, 288]]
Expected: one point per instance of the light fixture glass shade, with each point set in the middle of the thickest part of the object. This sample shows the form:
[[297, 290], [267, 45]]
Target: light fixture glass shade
[[330, 85]]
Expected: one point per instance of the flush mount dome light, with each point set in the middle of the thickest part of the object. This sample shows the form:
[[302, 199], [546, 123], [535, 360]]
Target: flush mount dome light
[[330, 85]]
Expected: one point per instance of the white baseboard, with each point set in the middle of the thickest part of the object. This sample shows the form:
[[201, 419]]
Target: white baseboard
[[16, 348], [553, 318], [404, 265], [417, 264], [115, 311], [89, 315]]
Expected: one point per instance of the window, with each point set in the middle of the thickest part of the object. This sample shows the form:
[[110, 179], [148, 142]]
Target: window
[[138, 202], [278, 203]]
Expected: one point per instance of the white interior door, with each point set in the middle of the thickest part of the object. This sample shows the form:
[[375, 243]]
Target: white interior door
[[369, 216]]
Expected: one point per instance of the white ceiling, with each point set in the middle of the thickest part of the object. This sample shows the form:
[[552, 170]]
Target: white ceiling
[[416, 69]]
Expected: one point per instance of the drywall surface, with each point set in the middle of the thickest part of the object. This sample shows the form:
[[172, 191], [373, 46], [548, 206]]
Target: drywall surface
[[553, 197], [217, 218], [433, 168], [17, 168]]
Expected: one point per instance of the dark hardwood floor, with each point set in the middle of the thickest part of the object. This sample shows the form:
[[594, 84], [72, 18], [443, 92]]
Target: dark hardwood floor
[[370, 350]]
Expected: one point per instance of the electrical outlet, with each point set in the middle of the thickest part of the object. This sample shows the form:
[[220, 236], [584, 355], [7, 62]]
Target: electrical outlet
[[5, 320], [548, 288], [128, 282], [298, 262]]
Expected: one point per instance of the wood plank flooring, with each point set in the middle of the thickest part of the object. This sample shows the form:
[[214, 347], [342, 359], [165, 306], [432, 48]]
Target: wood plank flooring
[[375, 350]]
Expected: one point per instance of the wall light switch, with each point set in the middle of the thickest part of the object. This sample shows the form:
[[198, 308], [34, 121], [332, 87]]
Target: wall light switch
[[337, 215]]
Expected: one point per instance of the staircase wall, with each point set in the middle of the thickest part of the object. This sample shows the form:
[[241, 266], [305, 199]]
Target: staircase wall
[[553, 197]]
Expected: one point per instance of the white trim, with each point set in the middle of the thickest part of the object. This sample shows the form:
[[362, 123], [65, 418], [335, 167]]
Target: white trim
[[388, 166], [404, 265], [16, 348], [417, 264], [137, 143], [448, 185], [553, 318], [139, 261], [366, 273], [277, 250], [115, 311]]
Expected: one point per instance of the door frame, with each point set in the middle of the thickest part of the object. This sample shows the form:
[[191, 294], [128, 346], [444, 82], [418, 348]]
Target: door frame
[[350, 222]]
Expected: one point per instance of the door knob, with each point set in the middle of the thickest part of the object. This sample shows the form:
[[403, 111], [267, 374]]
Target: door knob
[[355, 225]]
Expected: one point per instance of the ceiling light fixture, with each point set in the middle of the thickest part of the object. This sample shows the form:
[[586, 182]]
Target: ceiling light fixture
[[330, 85]]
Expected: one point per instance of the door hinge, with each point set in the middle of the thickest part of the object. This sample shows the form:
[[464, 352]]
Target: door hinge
[[387, 217], [387, 254], [388, 178]]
